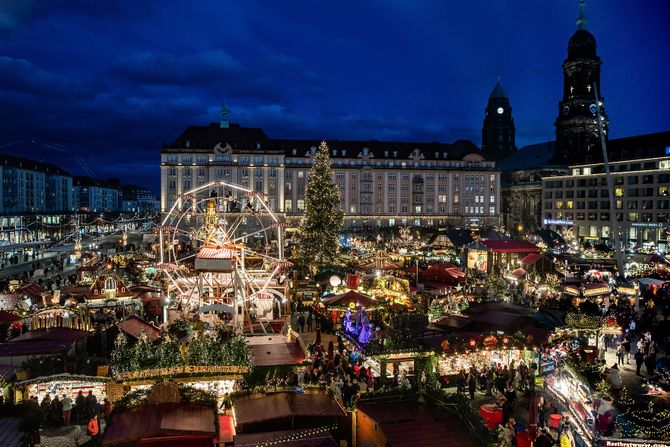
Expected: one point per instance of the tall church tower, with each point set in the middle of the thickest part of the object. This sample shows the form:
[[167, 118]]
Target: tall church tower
[[577, 138], [498, 131]]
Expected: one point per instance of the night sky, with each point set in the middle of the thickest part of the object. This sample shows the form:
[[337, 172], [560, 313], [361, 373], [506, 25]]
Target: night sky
[[114, 80]]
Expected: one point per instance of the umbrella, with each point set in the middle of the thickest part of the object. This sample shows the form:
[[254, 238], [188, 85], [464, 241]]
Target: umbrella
[[532, 417]]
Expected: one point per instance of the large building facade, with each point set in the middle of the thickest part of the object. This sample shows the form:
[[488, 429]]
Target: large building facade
[[381, 183], [92, 196], [29, 186], [641, 201]]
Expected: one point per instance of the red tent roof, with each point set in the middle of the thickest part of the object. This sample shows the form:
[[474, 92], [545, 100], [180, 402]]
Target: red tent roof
[[443, 272], [349, 297], [530, 258], [511, 246]]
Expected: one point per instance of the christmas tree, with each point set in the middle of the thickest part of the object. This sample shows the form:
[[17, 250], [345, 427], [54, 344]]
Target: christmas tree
[[318, 238]]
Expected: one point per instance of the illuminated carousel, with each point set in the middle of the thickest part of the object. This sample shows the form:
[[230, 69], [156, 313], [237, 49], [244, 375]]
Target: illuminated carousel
[[222, 251]]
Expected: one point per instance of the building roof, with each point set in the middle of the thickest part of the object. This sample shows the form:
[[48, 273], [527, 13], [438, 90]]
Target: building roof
[[412, 424], [134, 326], [498, 91], [267, 407], [311, 437], [47, 341], [529, 157], [31, 165], [235, 137], [275, 350], [511, 246], [160, 420]]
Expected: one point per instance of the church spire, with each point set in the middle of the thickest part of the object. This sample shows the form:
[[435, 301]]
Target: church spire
[[581, 20]]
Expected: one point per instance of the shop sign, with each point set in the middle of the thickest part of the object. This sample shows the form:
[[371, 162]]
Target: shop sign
[[632, 443], [647, 225], [557, 222]]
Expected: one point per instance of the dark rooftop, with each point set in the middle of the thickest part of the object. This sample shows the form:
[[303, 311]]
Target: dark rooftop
[[31, 165]]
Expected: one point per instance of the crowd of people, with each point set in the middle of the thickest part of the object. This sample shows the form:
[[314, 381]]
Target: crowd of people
[[55, 412]]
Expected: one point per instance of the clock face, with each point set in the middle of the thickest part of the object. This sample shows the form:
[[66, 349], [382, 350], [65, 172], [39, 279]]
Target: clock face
[[593, 108], [566, 110], [500, 110]]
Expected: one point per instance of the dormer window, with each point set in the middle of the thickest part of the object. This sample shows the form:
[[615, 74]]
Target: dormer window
[[395, 154], [344, 153], [110, 284], [386, 153], [444, 155], [294, 151]]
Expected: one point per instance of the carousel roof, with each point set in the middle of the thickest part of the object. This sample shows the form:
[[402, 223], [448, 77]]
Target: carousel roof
[[349, 297]]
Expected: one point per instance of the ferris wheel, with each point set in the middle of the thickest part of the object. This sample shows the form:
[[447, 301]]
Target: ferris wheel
[[222, 250]]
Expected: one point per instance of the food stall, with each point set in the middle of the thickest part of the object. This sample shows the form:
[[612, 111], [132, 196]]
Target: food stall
[[484, 351], [574, 399], [60, 384]]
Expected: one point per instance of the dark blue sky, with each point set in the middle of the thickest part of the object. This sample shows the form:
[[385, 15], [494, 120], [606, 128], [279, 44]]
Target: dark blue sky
[[113, 80]]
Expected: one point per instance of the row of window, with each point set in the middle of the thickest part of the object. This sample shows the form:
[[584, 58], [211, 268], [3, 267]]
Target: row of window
[[602, 216], [661, 191], [605, 205], [646, 179]]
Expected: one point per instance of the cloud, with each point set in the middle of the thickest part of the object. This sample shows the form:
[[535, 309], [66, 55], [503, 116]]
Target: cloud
[[166, 68]]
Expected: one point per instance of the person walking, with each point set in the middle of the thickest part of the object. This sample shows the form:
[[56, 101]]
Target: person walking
[[620, 353], [67, 409], [639, 360], [472, 384]]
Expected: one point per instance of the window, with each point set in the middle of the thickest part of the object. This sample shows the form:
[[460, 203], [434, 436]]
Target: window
[[663, 191], [455, 198], [301, 205], [172, 171], [187, 159], [288, 205], [172, 159], [492, 210], [201, 172], [442, 198], [301, 174], [201, 159]]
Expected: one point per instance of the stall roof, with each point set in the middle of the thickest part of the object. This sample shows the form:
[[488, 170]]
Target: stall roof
[[411, 424], [511, 246], [650, 282], [517, 274], [48, 341], [8, 372], [530, 258], [351, 296], [288, 438], [64, 376], [32, 289], [160, 420], [275, 350], [252, 409], [134, 326]]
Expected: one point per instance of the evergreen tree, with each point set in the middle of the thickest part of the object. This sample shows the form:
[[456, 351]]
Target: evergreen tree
[[318, 238]]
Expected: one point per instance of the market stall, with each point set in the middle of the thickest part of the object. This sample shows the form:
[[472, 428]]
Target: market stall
[[60, 384], [483, 351], [574, 400]]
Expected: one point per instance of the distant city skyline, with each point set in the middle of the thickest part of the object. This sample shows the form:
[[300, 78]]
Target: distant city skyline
[[113, 81]]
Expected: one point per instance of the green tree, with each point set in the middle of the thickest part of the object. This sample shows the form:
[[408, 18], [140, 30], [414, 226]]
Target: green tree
[[318, 238]]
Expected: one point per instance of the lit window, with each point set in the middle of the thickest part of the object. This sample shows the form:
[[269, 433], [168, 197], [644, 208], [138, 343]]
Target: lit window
[[618, 192]]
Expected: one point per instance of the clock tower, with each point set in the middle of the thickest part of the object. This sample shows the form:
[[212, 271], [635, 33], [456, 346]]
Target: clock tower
[[498, 130], [577, 138]]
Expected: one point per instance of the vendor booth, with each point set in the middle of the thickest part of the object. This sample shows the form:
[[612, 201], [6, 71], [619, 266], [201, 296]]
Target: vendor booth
[[574, 400], [60, 384]]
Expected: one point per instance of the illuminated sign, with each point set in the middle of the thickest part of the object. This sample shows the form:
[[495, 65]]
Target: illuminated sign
[[632, 443], [557, 222], [647, 224]]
